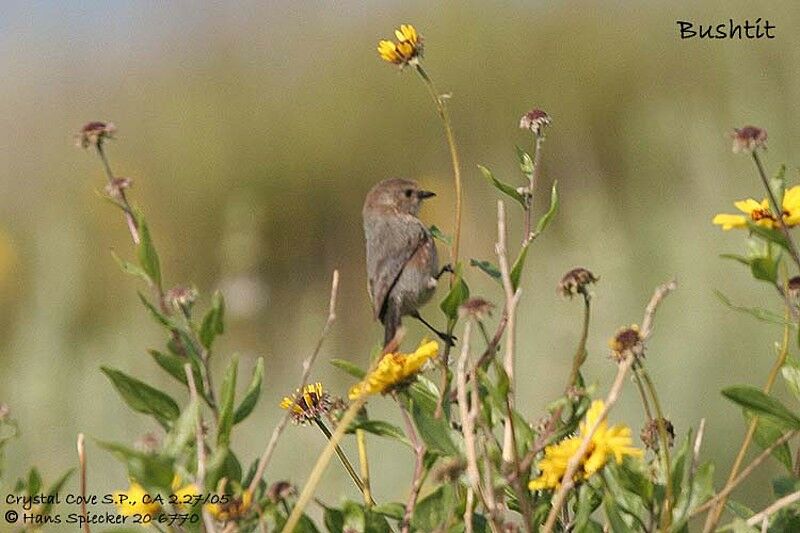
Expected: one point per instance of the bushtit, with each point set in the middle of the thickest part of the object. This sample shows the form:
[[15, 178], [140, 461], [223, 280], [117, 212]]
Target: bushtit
[[402, 265]]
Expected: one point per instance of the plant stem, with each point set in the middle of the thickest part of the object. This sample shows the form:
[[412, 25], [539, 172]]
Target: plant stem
[[716, 512], [322, 463], [532, 179], [345, 461], [417, 478], [363, 461], [666, 511], [778, 208], [580, 354], [133, 227], [441, 108]]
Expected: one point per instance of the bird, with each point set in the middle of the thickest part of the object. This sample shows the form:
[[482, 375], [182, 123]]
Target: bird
[[402, 262]]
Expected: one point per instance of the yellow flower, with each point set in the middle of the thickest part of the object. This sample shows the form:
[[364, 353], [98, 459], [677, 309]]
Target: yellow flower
[[405, 50], [309, 405], [235, 509], [761, 214], [606, 442], [184, 496], [131, 502], [393, 369]]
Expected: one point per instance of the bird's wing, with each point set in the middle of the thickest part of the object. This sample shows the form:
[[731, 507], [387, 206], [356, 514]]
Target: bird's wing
[[395, 239]]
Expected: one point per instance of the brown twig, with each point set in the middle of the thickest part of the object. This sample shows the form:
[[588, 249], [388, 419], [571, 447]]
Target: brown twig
[[568, 481], [307, 364], [725, 492], [787, 500], [133, 227], [200, 477], [512, 299], [419, 464], [82, 462]]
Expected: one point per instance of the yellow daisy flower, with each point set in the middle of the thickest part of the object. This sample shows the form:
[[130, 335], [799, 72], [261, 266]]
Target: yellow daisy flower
[[606, 442], [393, 369], [130, 502], [405, 50], [761, 213], [184, 495]]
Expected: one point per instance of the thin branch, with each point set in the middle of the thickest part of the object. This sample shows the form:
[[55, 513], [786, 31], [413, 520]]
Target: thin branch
[[468, 413], [307, 364], [416, 479], [787, 500], [568, 480], [82, 463], [512, 298], [200, 477], [725, 492]]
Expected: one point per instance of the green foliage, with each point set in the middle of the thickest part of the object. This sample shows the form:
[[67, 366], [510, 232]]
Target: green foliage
[[459, 293], [755, 401], [504, 188], [143, 398]]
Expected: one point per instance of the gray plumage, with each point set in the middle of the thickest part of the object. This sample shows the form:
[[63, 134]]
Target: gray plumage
[[402, 264]]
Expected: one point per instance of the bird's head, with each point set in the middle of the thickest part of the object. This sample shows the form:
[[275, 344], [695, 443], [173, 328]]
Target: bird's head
[[404, 196]]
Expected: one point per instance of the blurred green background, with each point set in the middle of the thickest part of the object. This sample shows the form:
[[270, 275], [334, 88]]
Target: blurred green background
[[253, 130]]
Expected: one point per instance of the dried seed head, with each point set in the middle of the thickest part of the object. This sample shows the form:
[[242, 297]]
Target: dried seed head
[[626, 343], [94, 134], [650, 433], [749, 139], [476, 308], [181, 298], [115, 187], [576, 281], [280, 491], [535, 120]]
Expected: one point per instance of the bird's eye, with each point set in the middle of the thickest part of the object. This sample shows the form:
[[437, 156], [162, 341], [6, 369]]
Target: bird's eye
[[409, 192]]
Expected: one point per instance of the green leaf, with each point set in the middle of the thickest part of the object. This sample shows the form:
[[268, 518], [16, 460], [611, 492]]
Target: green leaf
[[160, 317], [791, 374], [55, 488], [333, 519], [459, 293], [505, 188], [488, 268], [764, 315], [251, 396], [143, 398], [393, 510], [434, 431], [152, 471], [551, 212], [618, 524], [183, 431], [223, 464], [438, 235], [381, 429], [735, 257], [148, 256], [769, 234], [34, 481], [525, 161], [765, 268], [588, 501], [516, 270], [214, 320], [132, 269], [173, 365], [349, 367], [227, 398], [767, 432], [432, 511], [761, 404]]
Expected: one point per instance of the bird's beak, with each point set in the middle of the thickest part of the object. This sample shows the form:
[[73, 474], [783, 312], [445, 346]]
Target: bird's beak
[[425, 194]]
